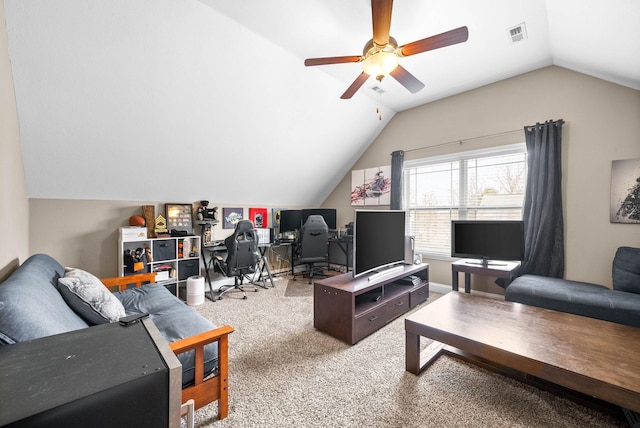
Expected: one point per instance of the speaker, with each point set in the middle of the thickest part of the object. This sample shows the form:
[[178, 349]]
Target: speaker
[[408, 249], [118, 376]]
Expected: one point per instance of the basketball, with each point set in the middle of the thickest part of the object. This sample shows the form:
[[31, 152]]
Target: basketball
[[136, 220]]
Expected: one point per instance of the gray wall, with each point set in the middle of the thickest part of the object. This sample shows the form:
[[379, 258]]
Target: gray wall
[[84, 233], [14, 206], [601, 125]]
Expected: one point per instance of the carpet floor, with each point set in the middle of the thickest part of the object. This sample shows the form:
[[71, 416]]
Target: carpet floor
[[284, 373]]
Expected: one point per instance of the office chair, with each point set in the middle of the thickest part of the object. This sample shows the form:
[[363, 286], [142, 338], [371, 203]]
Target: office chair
[[242, 257], [313, 247]]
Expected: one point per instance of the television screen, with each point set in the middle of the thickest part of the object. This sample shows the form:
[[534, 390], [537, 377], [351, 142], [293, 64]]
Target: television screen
[[329, 215], [290, 220], [378, 240], [487, 240]]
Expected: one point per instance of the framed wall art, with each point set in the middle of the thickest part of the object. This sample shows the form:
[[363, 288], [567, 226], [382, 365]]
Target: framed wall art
[[275, 216], [371, 186], [259, 217], [179, 217], [625, 191], [231, 216]]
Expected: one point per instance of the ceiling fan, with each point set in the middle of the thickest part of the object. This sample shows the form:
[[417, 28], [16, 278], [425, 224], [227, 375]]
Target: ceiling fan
[[381, 54]]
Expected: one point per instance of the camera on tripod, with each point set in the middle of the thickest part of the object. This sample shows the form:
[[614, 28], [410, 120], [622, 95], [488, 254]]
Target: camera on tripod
[[206, 213]]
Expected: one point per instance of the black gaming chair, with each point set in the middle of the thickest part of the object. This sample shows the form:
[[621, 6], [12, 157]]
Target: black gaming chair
[[313, 248], [242, 257]]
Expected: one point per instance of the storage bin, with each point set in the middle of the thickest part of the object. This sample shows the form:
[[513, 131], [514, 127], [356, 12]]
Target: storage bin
[[164, 249], [187, 268]]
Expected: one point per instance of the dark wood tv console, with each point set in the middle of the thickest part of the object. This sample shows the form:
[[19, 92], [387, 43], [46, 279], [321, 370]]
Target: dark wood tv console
[[350, 309]]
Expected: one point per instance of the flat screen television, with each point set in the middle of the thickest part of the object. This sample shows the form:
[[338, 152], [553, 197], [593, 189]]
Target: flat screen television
[[378, 240], [329, 215], [487, 240], [290, 220]]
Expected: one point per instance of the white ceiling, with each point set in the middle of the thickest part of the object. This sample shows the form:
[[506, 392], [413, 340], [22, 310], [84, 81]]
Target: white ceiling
[[182, 100]]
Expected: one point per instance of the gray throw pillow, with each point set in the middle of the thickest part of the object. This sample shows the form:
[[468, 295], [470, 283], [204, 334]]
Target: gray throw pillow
[[89, 298], [626, 270]]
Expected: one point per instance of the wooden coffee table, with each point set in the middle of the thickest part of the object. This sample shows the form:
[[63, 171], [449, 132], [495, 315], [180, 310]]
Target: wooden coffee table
[[598, 358]]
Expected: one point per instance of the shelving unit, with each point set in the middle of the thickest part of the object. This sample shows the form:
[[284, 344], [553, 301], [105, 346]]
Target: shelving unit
[[174, 259], [350, 309]]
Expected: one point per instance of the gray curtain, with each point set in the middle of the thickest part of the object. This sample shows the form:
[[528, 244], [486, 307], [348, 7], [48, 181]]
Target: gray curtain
[[397, 163], [543, 222]]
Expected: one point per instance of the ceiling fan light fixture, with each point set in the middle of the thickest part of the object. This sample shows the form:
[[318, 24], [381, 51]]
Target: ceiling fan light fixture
[[381, 54], [380, 62]]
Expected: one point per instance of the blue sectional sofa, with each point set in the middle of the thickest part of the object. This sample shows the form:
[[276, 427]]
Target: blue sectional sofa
[[620, 304], [40, 298]]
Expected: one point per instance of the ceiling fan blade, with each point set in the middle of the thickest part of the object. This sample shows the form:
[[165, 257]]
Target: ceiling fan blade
[[407, 79], [441, 40], [355, 86], [332, 60], [381, 16]]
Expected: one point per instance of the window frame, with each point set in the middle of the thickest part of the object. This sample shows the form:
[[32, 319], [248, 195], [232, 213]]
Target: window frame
[[463, 157]]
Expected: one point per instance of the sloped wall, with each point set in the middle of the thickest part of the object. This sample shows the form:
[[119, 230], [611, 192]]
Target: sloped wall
[[14, 206]]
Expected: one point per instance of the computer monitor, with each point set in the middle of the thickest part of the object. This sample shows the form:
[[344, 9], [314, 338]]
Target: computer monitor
[[290, 220], [329, 215]]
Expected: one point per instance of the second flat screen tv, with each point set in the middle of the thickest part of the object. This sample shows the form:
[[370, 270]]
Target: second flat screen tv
[[487, 240], [378, 240]]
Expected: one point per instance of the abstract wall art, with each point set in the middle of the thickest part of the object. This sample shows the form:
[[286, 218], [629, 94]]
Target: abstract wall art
[[625, 191]]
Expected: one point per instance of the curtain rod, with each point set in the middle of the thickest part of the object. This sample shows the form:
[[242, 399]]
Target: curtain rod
[[465, 140]]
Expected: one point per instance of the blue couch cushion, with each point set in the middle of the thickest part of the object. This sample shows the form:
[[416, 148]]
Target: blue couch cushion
[[30, 304], [626, 270], [174, 319], [579, 298]]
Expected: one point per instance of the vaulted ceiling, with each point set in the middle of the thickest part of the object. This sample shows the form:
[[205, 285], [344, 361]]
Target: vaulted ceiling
[[182, 100]]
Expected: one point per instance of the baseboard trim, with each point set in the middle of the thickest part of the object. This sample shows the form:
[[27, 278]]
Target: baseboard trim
[[444, 289], [439, 288]]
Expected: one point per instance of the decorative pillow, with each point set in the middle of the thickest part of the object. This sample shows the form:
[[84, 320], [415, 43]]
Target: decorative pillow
[[89, 298], [626, 270]]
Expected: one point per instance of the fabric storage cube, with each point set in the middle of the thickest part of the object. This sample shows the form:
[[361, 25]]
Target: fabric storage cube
[[187, 268], [164, 249]]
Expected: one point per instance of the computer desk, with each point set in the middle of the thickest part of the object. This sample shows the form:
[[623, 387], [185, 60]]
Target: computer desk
[[214, 247], [218, 246], [291, 249], [346, 246], [263, 263]]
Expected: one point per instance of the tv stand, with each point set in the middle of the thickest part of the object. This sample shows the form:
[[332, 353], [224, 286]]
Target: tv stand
[[508, 271], [350, 309]]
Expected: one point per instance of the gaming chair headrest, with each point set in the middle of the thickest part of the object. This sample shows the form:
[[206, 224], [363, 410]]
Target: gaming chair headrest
[[315, 219], [244, 225]]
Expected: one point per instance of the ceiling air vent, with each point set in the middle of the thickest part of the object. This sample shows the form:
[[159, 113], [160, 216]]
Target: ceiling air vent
[[518, 33], [378, 89]]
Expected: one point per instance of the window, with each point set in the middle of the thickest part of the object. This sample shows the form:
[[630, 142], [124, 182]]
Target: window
[[483, 184]]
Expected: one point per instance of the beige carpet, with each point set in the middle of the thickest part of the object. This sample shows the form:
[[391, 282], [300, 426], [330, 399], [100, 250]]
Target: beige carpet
[[284, 373], [299, 288]]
